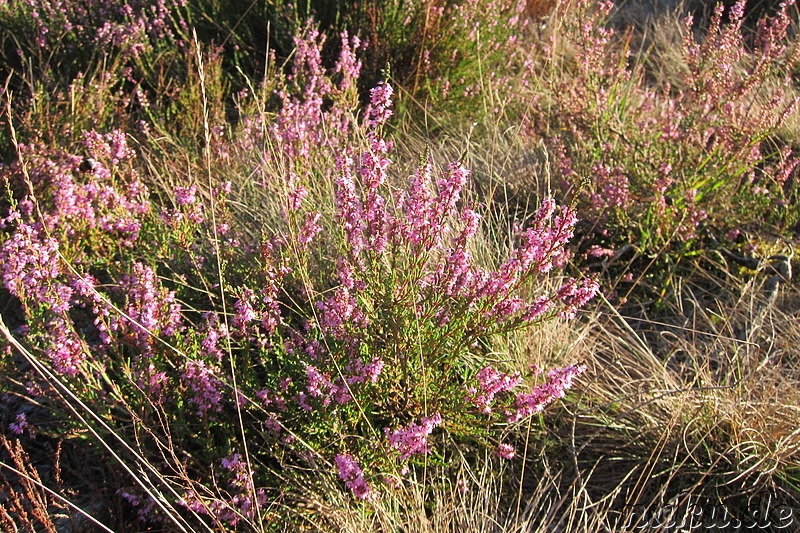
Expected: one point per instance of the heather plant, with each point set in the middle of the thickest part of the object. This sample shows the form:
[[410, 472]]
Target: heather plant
[[350, 338], [656, 163], [457, 57], [82, 29]]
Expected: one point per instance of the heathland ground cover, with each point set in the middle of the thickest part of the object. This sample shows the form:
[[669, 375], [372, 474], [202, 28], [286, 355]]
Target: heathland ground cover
[[405, 265]]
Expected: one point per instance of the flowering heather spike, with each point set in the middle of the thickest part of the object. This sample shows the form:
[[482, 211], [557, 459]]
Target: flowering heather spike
[[340, 313], [379, 109], [185, 195], [575, 294], [310, 228], [413, 440], [20, 425], [348, 64], [504, 450], [206, 389], [305, 122], [350, 209], [29, 264], [450, 189], [352, 475], [319, 384], [67, 351], [362, 373], [154, 310], [417, 205], [490, 384], [559, 380], [296, 197], [245, 314]]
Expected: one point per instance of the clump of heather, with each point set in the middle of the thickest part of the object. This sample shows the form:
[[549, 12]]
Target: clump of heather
[[285, 149], [658, 164], [131, 28], [349, 336], [458, 55]]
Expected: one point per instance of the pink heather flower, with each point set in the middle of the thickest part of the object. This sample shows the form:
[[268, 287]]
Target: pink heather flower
[[66, 352], [185, 195], [350, 209], [559, 380], [506, 451], [450, 189], [153, 383], [306, 122], [537, 309], [270, 398], [346, 275], [348, 64], [599, 251], [543, 245], [574, 294], [152, 310], [20, 425], [340, 392], [416, 204], [214, 332], [272, 424], [733, 234], [205, 387], [145, 506], [413, 440], [379, 110], [233, 463], [340, 312], [490, 384], [29, 265], [350, 472], [361, 373], [310, 228], [319, 383], [296, 197], [111, 146], [245, 314]]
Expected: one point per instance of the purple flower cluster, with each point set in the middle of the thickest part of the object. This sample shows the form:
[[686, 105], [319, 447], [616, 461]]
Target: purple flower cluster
[[413, 439], [363, 373], [505, 450], [30, 267], [304, 122], [495, 387], [559, 380], [575, 294], [321, 386], [426, 227], [490, 384], [340, 313], [151, 310], [350, 472], [66, 351], [735, 92], [204, 386], [21, 425], [131, 27], [65, 212]]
